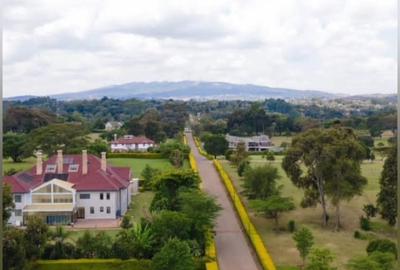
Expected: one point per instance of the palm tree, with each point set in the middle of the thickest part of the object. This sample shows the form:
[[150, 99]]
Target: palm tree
[[143, 240]]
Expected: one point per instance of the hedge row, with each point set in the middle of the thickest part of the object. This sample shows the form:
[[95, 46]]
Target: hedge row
[[201, 150], [255, 238], [92, 264], [211, 250], [144, 155]]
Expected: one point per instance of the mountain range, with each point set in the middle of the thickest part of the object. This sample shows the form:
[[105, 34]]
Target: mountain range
[[199, 90]]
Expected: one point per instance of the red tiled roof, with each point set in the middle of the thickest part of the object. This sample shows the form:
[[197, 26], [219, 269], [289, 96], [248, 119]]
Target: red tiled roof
[[134, 140], [114, 178]]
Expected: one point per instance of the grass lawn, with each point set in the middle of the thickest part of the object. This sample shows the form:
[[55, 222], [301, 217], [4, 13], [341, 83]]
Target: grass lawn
[[278, 140], [19, 166], [342, 244], [137, 164], [140, 205]]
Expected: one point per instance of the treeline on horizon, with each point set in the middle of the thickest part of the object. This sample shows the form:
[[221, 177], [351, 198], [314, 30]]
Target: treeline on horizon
[[238, 117]]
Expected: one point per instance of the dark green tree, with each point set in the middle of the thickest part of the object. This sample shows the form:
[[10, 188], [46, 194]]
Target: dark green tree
[[167, 186], [325, 163], [216, 145], [69, 137], [36, 236], [260, 182], [97, 147], [387, 196], [170, 224], [273, 207], [8, 203], [176, 255], [14, 252], [14, 146], [148, 175]]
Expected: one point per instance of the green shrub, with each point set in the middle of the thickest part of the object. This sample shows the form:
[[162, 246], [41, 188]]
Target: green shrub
[[365, 223], [291, 226], [126, 222], [357, 235], [382, 245], [243, 165], [370, 210]]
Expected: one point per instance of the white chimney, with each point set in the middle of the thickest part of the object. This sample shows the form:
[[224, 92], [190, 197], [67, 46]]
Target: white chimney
[[39, 163], [115, 136], [103, 161], [60, 161], [84, 162]]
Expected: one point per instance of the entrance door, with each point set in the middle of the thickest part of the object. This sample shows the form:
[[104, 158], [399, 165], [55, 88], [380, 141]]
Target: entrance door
[[81, 212]]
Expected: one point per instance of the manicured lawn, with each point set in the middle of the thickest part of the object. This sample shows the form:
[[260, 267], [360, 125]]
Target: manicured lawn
[[19, 166], [137, 164], [343, 245], [140, 205]]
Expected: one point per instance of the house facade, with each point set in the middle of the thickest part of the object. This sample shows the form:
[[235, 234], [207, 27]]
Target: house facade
[[252, 144], [130, 143], [112, 125], [66, 188]]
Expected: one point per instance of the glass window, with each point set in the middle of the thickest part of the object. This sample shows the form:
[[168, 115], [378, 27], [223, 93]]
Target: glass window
[[41, 198], [108, 209], [73, 168], [18, 212], [108, 196], [101, 209], [17, 198], [84, 196], [67, 198], [101, 196], [92, 210], [46, 189], [50, 168], [58, 189]]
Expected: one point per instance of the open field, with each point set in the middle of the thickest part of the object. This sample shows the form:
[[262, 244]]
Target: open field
[[19, 166], [343, 245]]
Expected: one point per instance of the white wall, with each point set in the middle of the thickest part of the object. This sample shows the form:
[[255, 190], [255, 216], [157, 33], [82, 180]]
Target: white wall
[[129, 147], [19, 206], [95, 202]]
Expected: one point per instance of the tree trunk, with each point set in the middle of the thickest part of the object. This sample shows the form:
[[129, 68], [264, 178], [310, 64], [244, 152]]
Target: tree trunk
[[338, 225], [323, 203]]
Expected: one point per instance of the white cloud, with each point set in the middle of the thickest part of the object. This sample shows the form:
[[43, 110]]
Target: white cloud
[[53, 46]]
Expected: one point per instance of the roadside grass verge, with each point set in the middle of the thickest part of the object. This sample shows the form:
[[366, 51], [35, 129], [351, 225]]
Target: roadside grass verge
[[343, 244]]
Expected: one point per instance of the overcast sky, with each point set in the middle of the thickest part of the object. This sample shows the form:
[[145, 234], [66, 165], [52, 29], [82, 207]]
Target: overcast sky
[[341, 46]]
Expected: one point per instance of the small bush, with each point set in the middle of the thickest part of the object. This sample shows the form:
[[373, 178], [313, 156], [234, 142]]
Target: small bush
[[126, 222], [242, 167], [370, 210], [357, 235], [291, 226], [382, 245], [365, 224]]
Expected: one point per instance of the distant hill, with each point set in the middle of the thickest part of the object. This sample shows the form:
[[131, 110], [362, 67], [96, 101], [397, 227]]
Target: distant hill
[[191, 90]]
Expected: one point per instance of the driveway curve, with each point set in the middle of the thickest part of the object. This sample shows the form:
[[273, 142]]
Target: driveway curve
[[233, 250]]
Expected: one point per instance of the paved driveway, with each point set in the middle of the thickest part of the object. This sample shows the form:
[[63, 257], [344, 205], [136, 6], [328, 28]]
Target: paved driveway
[[233, 250], [96, 223]]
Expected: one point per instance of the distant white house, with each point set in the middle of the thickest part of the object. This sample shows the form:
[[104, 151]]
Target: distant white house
[[112, 125], [252, 144], [130, 143]]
